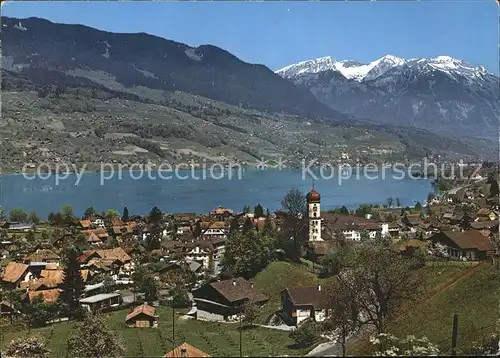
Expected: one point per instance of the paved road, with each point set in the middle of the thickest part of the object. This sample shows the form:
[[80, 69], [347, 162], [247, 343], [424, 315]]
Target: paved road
[[333, 348]]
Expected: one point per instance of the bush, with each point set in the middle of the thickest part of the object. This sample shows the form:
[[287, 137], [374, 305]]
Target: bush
[[306, 334]]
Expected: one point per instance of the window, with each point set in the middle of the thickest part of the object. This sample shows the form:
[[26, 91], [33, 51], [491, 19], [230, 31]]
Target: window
[[315, 208]]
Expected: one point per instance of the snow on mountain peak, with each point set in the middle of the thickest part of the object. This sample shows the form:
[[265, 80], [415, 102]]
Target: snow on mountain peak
[[354, 70]]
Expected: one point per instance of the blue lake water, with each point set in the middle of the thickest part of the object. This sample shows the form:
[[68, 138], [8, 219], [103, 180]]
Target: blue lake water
[[266, 187]]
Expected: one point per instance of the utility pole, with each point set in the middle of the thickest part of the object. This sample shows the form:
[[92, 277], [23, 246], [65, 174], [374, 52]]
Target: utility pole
[[241, 350], [454, 335], [173, 328]]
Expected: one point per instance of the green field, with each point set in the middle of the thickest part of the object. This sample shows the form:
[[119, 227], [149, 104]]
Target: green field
[[216, 339], [471, 291]]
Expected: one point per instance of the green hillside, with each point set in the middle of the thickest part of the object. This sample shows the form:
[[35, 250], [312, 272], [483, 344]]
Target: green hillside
[[471, 291]]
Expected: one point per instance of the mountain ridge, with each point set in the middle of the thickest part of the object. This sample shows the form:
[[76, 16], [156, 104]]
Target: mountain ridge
[[142, 59], [446, 94]]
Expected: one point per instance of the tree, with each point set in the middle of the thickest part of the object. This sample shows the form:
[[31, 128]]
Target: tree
[[295, 203], [248, 225], [258, 211], [125, 216], [246, 254], [33, 218], [398, 203], [149, 287], [34, 346], [67, 215], [343, 210], [234, 225], [378, 280], [155, 215], [467, 212], [306, 334], [344, 317], [418, 205], [56, 219], [18, 215], [246, 209], [73, 284], [197, 229], [110, 214], [89, 212], [93, 338], [269, 229], [37, 312], [250, 313], [389, 202], [180, 298], [493, 181]]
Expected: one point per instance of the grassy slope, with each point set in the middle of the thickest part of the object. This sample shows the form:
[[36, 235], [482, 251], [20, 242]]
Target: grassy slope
[[469, 291], [217, 339]]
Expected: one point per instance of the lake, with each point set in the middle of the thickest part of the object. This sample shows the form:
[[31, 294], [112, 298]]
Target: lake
[[194, 194]]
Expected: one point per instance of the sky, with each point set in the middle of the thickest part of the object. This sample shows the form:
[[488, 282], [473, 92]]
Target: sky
[[277, 34]]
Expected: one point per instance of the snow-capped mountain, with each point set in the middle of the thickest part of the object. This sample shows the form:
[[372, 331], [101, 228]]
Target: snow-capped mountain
[[442, 93]]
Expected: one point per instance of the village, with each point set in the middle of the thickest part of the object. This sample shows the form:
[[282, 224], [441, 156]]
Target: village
[[209, 267]]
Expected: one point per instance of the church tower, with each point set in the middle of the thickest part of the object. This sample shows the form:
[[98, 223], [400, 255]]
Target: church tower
[[314, 215]]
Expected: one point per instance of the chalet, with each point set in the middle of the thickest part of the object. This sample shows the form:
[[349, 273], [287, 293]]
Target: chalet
[[142, 316], [303, 302], [464, 245], [43, 255], [451, 218], [7, 308], [85, 224], [352, 226], [226, 298], [182, 266], [21, 227], [186, 350], [4, 224], [98, 221], [48, 296], [101, 301], [116, 255], [486, 227], [222, 213], [13, 274]]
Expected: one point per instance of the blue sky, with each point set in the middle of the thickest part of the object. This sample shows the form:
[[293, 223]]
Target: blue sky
[[280, 33]]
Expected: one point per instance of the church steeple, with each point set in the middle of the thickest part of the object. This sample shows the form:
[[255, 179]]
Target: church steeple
[[314, 214]]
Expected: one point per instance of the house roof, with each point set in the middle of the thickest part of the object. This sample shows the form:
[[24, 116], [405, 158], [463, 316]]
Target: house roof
[[343, 222], [238, 289], [185, 350], [85, 275], [85, 223], [191, 265], [142, 309], [13, 271], [308, 296], [48, 296], [98, 298], [488, 224], [42, 255], [116, 254], [470, 239], [92, 237]]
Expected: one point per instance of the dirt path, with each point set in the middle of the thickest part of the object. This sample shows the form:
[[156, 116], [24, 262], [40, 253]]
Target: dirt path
[[460, 276]]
